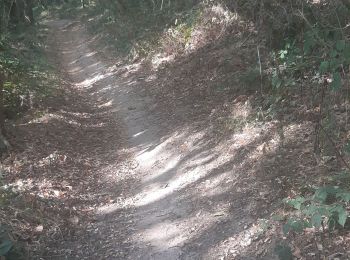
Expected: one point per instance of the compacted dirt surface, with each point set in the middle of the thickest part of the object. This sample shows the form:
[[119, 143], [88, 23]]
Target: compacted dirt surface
[[166, 190]]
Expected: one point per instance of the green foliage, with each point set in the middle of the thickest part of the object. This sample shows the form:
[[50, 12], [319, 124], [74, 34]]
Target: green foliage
[[11, 250], [327, 206], [29, 78], [316, 52], [136, 28], [284, 252], [5, 247], [5, 243], [347, 147]]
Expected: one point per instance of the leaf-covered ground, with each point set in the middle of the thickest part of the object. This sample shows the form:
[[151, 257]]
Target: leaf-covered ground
[[133, 162]]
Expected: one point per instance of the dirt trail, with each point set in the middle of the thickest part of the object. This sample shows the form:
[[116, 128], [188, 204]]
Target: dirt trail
[[189, 199], [154, 221]]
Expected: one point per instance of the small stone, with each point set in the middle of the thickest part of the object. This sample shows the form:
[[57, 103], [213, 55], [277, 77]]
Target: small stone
[[319, 247], [74, 220], [39, 229]]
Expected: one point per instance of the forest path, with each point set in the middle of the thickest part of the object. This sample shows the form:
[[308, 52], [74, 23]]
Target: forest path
[[157, 228], [183, 195]]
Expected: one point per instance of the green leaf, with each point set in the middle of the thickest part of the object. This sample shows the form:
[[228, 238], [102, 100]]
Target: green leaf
[[340, 45], [324, 66], [310, 210], [346, 52], [334, 64], [5, 247], [347, 147], [284, 252], [345, 196], [321, 195], [336, 82], [309, 42], [276, 81], [342, 215], [294, 225], [316, 220], [283, 54], [332, 222], [334, 53], [296, 202]]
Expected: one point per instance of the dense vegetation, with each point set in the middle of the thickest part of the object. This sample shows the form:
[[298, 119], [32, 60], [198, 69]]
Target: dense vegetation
[[302, 53]]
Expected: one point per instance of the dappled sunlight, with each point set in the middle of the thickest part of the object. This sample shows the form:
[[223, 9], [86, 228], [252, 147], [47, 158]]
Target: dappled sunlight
[[183, 162], [195, 171], [187, 176], [187, 170], [90, 81], [46, 118], [78, 70], [176, 129], [107, 104]]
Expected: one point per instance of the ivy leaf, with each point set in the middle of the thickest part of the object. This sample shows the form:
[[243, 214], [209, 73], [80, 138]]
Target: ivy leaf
[[336, 83]]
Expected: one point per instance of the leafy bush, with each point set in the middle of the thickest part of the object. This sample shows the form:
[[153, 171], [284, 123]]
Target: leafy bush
[[326, 208]]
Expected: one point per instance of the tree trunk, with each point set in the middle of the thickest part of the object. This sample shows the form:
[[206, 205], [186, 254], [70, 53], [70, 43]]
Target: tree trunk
[[2, 117], [20, 11], [3, 143]]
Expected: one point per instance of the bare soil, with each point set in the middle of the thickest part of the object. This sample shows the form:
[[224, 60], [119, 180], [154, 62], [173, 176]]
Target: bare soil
[[140, 168]]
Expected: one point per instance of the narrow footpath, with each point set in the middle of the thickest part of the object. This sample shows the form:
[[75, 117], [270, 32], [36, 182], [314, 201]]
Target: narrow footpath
[[178, 195]]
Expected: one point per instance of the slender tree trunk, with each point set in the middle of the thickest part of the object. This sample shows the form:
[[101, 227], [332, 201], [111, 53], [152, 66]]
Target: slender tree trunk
[[29, 11], [3, 143], [20, 10], [2, 117]]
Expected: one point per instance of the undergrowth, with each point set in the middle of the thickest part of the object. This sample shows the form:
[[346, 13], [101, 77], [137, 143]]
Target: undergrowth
[[29, 77], [30, 80]]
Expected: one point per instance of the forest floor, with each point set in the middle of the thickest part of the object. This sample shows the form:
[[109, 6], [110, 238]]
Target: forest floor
[[181, 194], [143, 176]]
